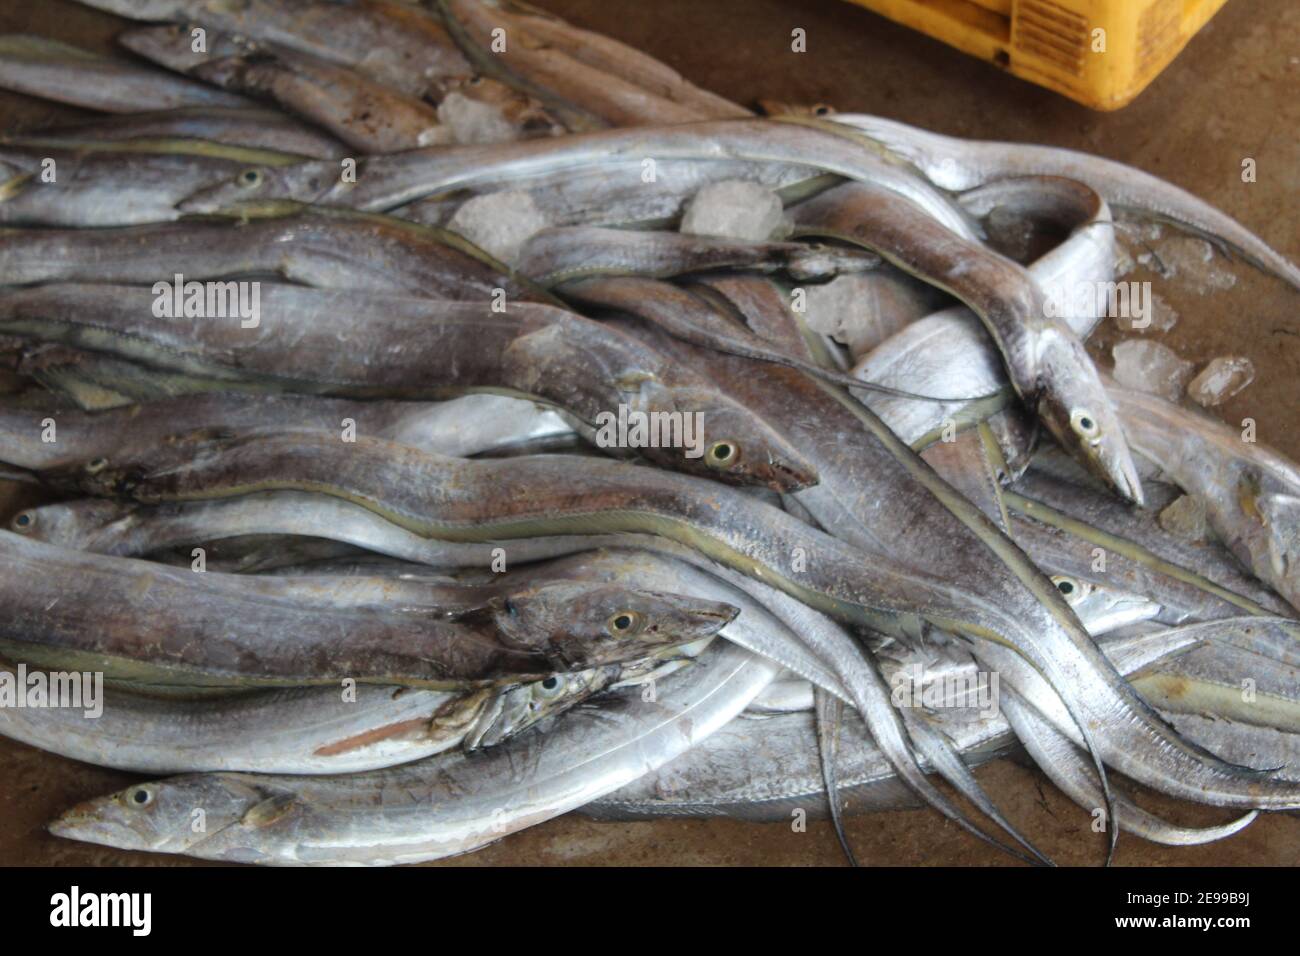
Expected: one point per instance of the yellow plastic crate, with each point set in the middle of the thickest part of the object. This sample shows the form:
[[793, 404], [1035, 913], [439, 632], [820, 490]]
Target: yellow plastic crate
[[1056, 43]]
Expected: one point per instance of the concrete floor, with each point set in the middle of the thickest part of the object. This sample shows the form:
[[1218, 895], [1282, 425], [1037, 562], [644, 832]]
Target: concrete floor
[[1233, 93]]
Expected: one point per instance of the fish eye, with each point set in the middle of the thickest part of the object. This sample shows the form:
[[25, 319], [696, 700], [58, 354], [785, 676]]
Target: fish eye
[[1072, 590], [24, 520], [139, 797], [623, 623], [250, 178], [821, 109], [722, 454], [1084, 424], [550, 688], [511, 608]]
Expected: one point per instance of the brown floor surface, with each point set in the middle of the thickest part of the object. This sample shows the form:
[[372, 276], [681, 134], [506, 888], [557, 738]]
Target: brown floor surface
[[1233, 93]]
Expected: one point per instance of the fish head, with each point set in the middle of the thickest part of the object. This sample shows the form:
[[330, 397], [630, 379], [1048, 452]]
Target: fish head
[[305, 182], [519, 708], [71, 524], [1074, 406], [580, 624], [1102, 609], [727, 442], [170, 816]]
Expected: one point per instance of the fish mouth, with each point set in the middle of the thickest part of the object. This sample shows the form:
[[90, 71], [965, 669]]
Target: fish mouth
[[713, 619], [200, 203], [791, 477], [84, 824], [1122, 474]]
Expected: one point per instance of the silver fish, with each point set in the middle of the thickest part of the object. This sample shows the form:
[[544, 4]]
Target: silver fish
[[959, 164], [386, 182], [245, 126], [114, 183], [434, 808], [56, 71], [1046, 362], [393, 43], [362, 113]]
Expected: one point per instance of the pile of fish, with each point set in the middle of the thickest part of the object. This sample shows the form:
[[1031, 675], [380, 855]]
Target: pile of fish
[[459, 419]]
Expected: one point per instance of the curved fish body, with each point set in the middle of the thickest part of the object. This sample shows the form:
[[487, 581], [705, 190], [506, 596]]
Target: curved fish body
[[386, 182], [435, 808], [939, 349], [763, 769], [1046, 362], [114, 184], [151, 624], [461, 427], [344, 343], [1233, 650], [246, 126], [360, 112], [958, 164], [320, 248], [55, 71], [499, 500], [1251, 493], [555, 256], [879, 519], [620, 192], [1071, 772], [449, 499], [393, 44]]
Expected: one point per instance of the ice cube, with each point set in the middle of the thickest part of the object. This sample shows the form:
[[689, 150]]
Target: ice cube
[[499, 223], [472, 121], [1193, 261], [734, 209], [1162, 317], [1150, 367], [1221, 379]]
